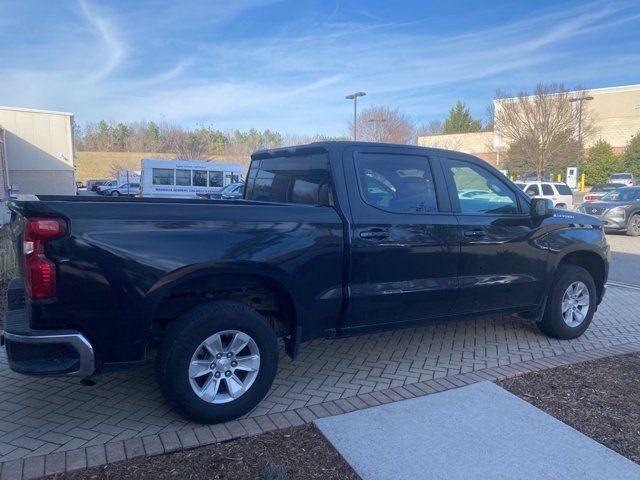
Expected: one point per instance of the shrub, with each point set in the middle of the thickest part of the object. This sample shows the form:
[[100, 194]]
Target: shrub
[[8, 265], [601, 163], [632, 156]]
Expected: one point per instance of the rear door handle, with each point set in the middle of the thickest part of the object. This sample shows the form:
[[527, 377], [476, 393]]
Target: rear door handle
[[474, 233], [374, 234]]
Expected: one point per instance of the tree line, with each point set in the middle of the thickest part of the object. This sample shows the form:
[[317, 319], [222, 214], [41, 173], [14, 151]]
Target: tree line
[[202, 142], [374, 124]]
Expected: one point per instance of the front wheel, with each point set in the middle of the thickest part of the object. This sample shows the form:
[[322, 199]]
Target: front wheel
[[571, 303], [217, 361], [633, 227], [115, 193]]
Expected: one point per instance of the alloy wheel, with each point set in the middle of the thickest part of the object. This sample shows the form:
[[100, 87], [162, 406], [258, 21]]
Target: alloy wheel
[[224, 366], [575, 304]]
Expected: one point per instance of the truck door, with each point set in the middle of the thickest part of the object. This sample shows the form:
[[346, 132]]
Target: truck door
[[404, 247], [502, 262]]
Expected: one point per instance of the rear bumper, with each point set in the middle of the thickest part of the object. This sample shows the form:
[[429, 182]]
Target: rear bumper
[[43, 352]]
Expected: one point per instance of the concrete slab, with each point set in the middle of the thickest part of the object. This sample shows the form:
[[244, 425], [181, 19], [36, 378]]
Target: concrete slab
[[476, 432]]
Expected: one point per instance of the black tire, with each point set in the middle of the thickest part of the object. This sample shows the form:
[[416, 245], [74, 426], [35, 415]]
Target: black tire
[[183, 337], [553, 323], [115, 193], [561, 206], [633, 227]]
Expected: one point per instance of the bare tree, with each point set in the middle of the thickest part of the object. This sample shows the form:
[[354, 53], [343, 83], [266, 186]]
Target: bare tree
[[541, 130], [185, 144], [432, 127], [382, 124]]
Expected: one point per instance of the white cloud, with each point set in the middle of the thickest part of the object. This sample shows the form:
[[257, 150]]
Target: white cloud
[[295, 78]]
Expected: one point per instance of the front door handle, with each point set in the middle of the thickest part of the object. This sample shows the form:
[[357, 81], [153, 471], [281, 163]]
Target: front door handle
[[374, 234], [474, 233]]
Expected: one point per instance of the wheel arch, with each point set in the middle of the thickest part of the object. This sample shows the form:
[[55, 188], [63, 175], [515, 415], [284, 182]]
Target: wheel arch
[[592, 262], [264, 289]]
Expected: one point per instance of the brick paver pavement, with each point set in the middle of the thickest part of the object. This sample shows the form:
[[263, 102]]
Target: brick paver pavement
[[59, 424]]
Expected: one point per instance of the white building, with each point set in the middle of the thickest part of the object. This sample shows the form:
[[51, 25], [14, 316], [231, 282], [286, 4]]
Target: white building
[[37, 152]]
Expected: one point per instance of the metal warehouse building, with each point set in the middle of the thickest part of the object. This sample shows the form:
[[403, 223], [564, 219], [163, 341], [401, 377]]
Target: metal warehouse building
[[37, 152]]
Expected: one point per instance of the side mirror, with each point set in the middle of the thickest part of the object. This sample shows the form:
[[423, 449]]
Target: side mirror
[[541, 208]]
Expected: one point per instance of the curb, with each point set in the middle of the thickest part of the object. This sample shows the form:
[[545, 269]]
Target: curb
[[189, 438]]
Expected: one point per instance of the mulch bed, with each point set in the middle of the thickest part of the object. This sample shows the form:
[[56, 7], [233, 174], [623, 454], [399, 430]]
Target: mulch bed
[[600, 398], [302, 451]]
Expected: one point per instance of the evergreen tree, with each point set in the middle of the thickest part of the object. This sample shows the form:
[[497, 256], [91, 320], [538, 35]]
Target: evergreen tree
[[460, 121], [632, 156], [601, 163]]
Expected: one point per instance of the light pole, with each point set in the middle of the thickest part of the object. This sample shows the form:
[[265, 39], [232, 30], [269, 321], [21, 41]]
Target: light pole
[[580, 100], [354, 97]]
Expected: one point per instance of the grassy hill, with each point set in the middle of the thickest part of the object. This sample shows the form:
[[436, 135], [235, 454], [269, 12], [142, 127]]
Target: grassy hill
[[105, 164]]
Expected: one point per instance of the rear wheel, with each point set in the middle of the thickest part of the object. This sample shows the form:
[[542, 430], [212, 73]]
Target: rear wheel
[[633, 227], [561, 206], [217, 361], [571, 303]]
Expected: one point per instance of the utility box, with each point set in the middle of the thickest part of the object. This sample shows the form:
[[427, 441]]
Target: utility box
[[572, 177]]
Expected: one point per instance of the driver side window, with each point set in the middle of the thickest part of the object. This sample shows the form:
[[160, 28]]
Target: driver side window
[[480, 191]]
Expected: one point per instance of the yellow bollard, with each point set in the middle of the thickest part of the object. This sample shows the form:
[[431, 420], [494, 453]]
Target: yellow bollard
[[511, 177], [582, 182], [559, 177]]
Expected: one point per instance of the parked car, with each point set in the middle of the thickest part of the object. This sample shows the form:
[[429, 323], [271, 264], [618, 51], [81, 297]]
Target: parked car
[[619, 210], [559, 193], [600, 190], [533, 177], [331, 239], [625, 179], [92, 185], [127, 190], [106, 187], [230, 192]]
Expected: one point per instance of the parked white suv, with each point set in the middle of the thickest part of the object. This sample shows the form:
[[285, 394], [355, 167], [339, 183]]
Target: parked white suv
[[625, 179], [559, 193]]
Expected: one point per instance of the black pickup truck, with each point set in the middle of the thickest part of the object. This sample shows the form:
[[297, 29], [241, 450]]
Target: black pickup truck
[[330, 239]]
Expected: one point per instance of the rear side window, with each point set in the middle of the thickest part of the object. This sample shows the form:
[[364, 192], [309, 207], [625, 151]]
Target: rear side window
[[215, 179], [162, 176], [183, 177], [199, 178], [546, 189], [302, 179], [397, 183], [565, 189], [533, 190]]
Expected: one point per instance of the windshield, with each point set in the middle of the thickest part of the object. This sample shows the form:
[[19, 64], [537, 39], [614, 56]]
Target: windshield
[[623, 195], [621, 176], [228, 188]]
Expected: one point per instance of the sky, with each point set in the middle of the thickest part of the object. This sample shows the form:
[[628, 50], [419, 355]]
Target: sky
[[287, 65]]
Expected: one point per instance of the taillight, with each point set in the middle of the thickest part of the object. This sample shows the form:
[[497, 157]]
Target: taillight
[[39, 271], [588, 197]]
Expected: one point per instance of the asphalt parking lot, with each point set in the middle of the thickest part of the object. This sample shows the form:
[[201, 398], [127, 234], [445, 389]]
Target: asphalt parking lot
[[625, 259]]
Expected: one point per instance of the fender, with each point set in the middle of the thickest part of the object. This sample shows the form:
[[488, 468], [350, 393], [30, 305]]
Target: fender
[[222, 269], [564, 244]]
